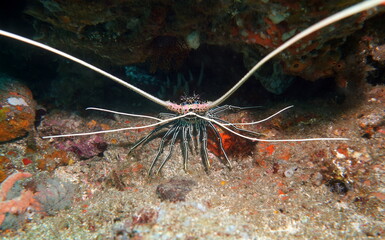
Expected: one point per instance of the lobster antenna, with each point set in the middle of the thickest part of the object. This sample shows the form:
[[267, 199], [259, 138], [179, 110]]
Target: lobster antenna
[[90, 66], [259, 121], [269, 140], [125, 114], [119, 129], [359, 7]]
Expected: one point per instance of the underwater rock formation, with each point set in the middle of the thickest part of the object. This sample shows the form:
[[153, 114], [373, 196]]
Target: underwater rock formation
[[163, 32], [17, 109]]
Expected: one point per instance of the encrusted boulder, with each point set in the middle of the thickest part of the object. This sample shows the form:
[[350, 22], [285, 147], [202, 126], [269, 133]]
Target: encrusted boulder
[[17, 109]]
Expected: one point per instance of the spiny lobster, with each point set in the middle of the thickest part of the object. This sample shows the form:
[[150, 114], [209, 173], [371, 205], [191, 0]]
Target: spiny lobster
[[192, 119]]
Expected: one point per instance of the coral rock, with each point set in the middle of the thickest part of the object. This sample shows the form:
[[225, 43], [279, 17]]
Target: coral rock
[[85, 147], [17, 205], [17, 109]]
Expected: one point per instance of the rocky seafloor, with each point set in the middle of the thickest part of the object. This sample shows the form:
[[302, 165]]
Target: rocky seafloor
[[95, 187]]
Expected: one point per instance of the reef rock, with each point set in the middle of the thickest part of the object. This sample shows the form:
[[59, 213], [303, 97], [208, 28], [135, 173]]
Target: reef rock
[[17, 109]]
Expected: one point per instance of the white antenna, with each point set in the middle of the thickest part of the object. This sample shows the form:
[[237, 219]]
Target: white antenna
[[90, 66], [359, 7]]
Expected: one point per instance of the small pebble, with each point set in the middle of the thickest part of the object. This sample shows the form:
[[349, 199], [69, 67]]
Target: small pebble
[[290, 172], [175, 190]]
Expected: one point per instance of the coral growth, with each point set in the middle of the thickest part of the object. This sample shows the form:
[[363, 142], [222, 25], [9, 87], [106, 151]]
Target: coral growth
[[52, 196], [51, 160], [17, 205], [83, 147], [55, 195], [17, 109]]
